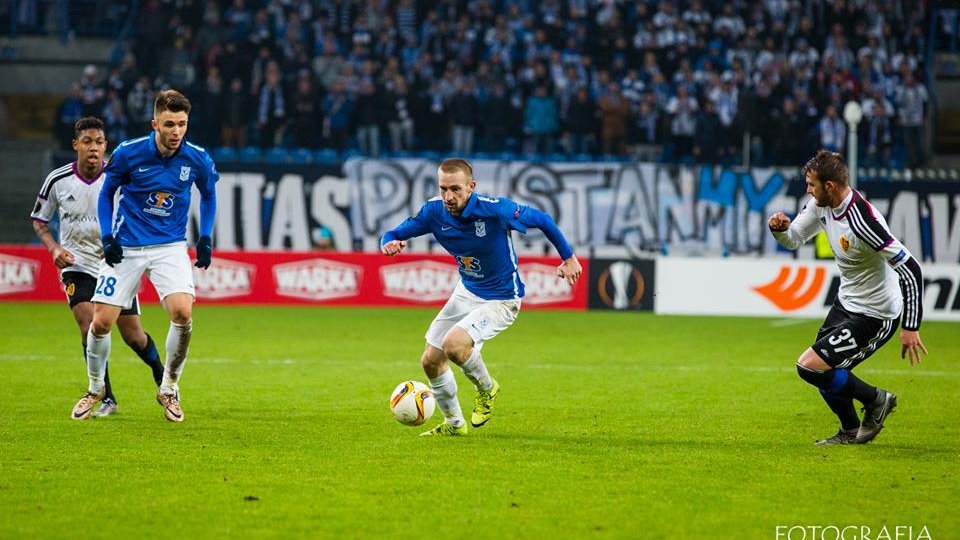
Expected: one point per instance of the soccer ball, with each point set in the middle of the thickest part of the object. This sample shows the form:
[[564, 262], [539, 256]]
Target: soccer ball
[[412, 403]]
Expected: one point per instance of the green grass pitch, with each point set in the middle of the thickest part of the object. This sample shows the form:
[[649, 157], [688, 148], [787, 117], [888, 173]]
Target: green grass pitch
[[609, 425]]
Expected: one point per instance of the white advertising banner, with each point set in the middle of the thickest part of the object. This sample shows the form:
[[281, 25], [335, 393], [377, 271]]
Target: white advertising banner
[[708, 286]]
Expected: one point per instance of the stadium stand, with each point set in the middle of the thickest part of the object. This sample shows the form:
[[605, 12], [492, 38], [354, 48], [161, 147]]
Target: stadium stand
[[678, 81]]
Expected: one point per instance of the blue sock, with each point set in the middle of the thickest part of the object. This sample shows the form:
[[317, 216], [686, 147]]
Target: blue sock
[[847, 385], [151, 357]]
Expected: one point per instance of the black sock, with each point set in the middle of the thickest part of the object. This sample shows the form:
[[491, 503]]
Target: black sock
[[844, 409], [151, 357], [855, 388], [108, 396]]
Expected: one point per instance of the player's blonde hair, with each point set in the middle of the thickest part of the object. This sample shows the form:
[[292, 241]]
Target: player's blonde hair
[[455, 165], [828, 166], [170, 100]]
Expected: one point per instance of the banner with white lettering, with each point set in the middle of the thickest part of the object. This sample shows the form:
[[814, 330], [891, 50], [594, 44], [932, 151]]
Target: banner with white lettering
[[642, 207], [307, 277]]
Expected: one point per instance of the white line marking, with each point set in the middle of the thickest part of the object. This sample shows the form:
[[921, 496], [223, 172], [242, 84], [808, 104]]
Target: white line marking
[[918, 372], [780, 323]]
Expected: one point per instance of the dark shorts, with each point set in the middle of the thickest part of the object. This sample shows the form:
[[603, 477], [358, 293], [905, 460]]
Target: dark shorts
[[80, 288], [845, 339]]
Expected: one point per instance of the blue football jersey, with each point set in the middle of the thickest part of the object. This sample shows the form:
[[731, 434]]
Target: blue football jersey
[[154, 192], [479, 239]]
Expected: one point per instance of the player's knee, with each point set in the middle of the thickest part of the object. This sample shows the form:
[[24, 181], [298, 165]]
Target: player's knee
[[431, 360], [180, 316], [101, 326], [820, 379], [456, 352], [427, 362]]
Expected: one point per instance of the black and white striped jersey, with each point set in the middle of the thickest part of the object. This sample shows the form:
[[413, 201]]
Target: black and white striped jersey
[[75, 199], [878, 275]]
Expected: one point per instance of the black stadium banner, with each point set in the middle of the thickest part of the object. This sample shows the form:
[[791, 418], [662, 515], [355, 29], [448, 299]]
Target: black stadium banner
[[622, 284]]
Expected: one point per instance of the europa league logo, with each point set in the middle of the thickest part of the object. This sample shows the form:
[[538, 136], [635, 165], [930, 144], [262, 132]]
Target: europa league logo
[[621, 285]]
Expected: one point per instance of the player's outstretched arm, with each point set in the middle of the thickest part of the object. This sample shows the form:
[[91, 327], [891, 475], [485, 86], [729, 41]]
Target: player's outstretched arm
[[526, 217], [395, 240], [570, 270], [793, 234], [393, 247], [779, 222]]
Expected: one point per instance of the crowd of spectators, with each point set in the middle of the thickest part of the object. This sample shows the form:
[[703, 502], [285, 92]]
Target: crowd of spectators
[[673, 80]]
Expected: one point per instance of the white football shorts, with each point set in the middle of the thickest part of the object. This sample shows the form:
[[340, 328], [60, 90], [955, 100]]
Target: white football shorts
[[167, 266], [482, 319]]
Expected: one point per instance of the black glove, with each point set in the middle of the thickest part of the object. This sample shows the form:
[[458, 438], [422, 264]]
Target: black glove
[[204, 252], [112, 252]]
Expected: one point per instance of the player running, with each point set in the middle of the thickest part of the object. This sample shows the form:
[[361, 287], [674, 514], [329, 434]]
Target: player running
[[868, 305], [154, 175], [71, 192], [475, 229]]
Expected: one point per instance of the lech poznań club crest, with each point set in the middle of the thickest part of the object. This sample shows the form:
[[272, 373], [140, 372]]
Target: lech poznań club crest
[[184, 173], [481, 228]]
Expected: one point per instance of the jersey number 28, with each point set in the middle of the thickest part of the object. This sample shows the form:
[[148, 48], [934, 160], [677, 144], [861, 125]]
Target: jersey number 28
[[106, 286]]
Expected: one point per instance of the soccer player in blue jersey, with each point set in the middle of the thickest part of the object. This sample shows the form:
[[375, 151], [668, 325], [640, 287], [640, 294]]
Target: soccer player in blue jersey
[[476, 230], [148, 234]]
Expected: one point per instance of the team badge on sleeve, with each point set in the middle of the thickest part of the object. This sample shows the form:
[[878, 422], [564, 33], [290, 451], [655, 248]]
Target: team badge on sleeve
[[481, 228]]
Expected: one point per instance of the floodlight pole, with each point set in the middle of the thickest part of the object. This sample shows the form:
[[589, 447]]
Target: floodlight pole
[[852, 113]]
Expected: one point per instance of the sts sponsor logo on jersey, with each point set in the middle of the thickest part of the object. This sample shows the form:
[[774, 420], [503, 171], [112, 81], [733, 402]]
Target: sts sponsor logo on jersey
[[470, 266], [159, 203]]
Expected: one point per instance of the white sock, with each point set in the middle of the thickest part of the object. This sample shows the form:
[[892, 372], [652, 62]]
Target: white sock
[[476, 371], [445, 391], [178, 342], [98, 352]]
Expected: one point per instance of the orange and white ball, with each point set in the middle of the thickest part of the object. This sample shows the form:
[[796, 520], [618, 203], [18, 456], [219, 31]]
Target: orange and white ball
[[412, 403]]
